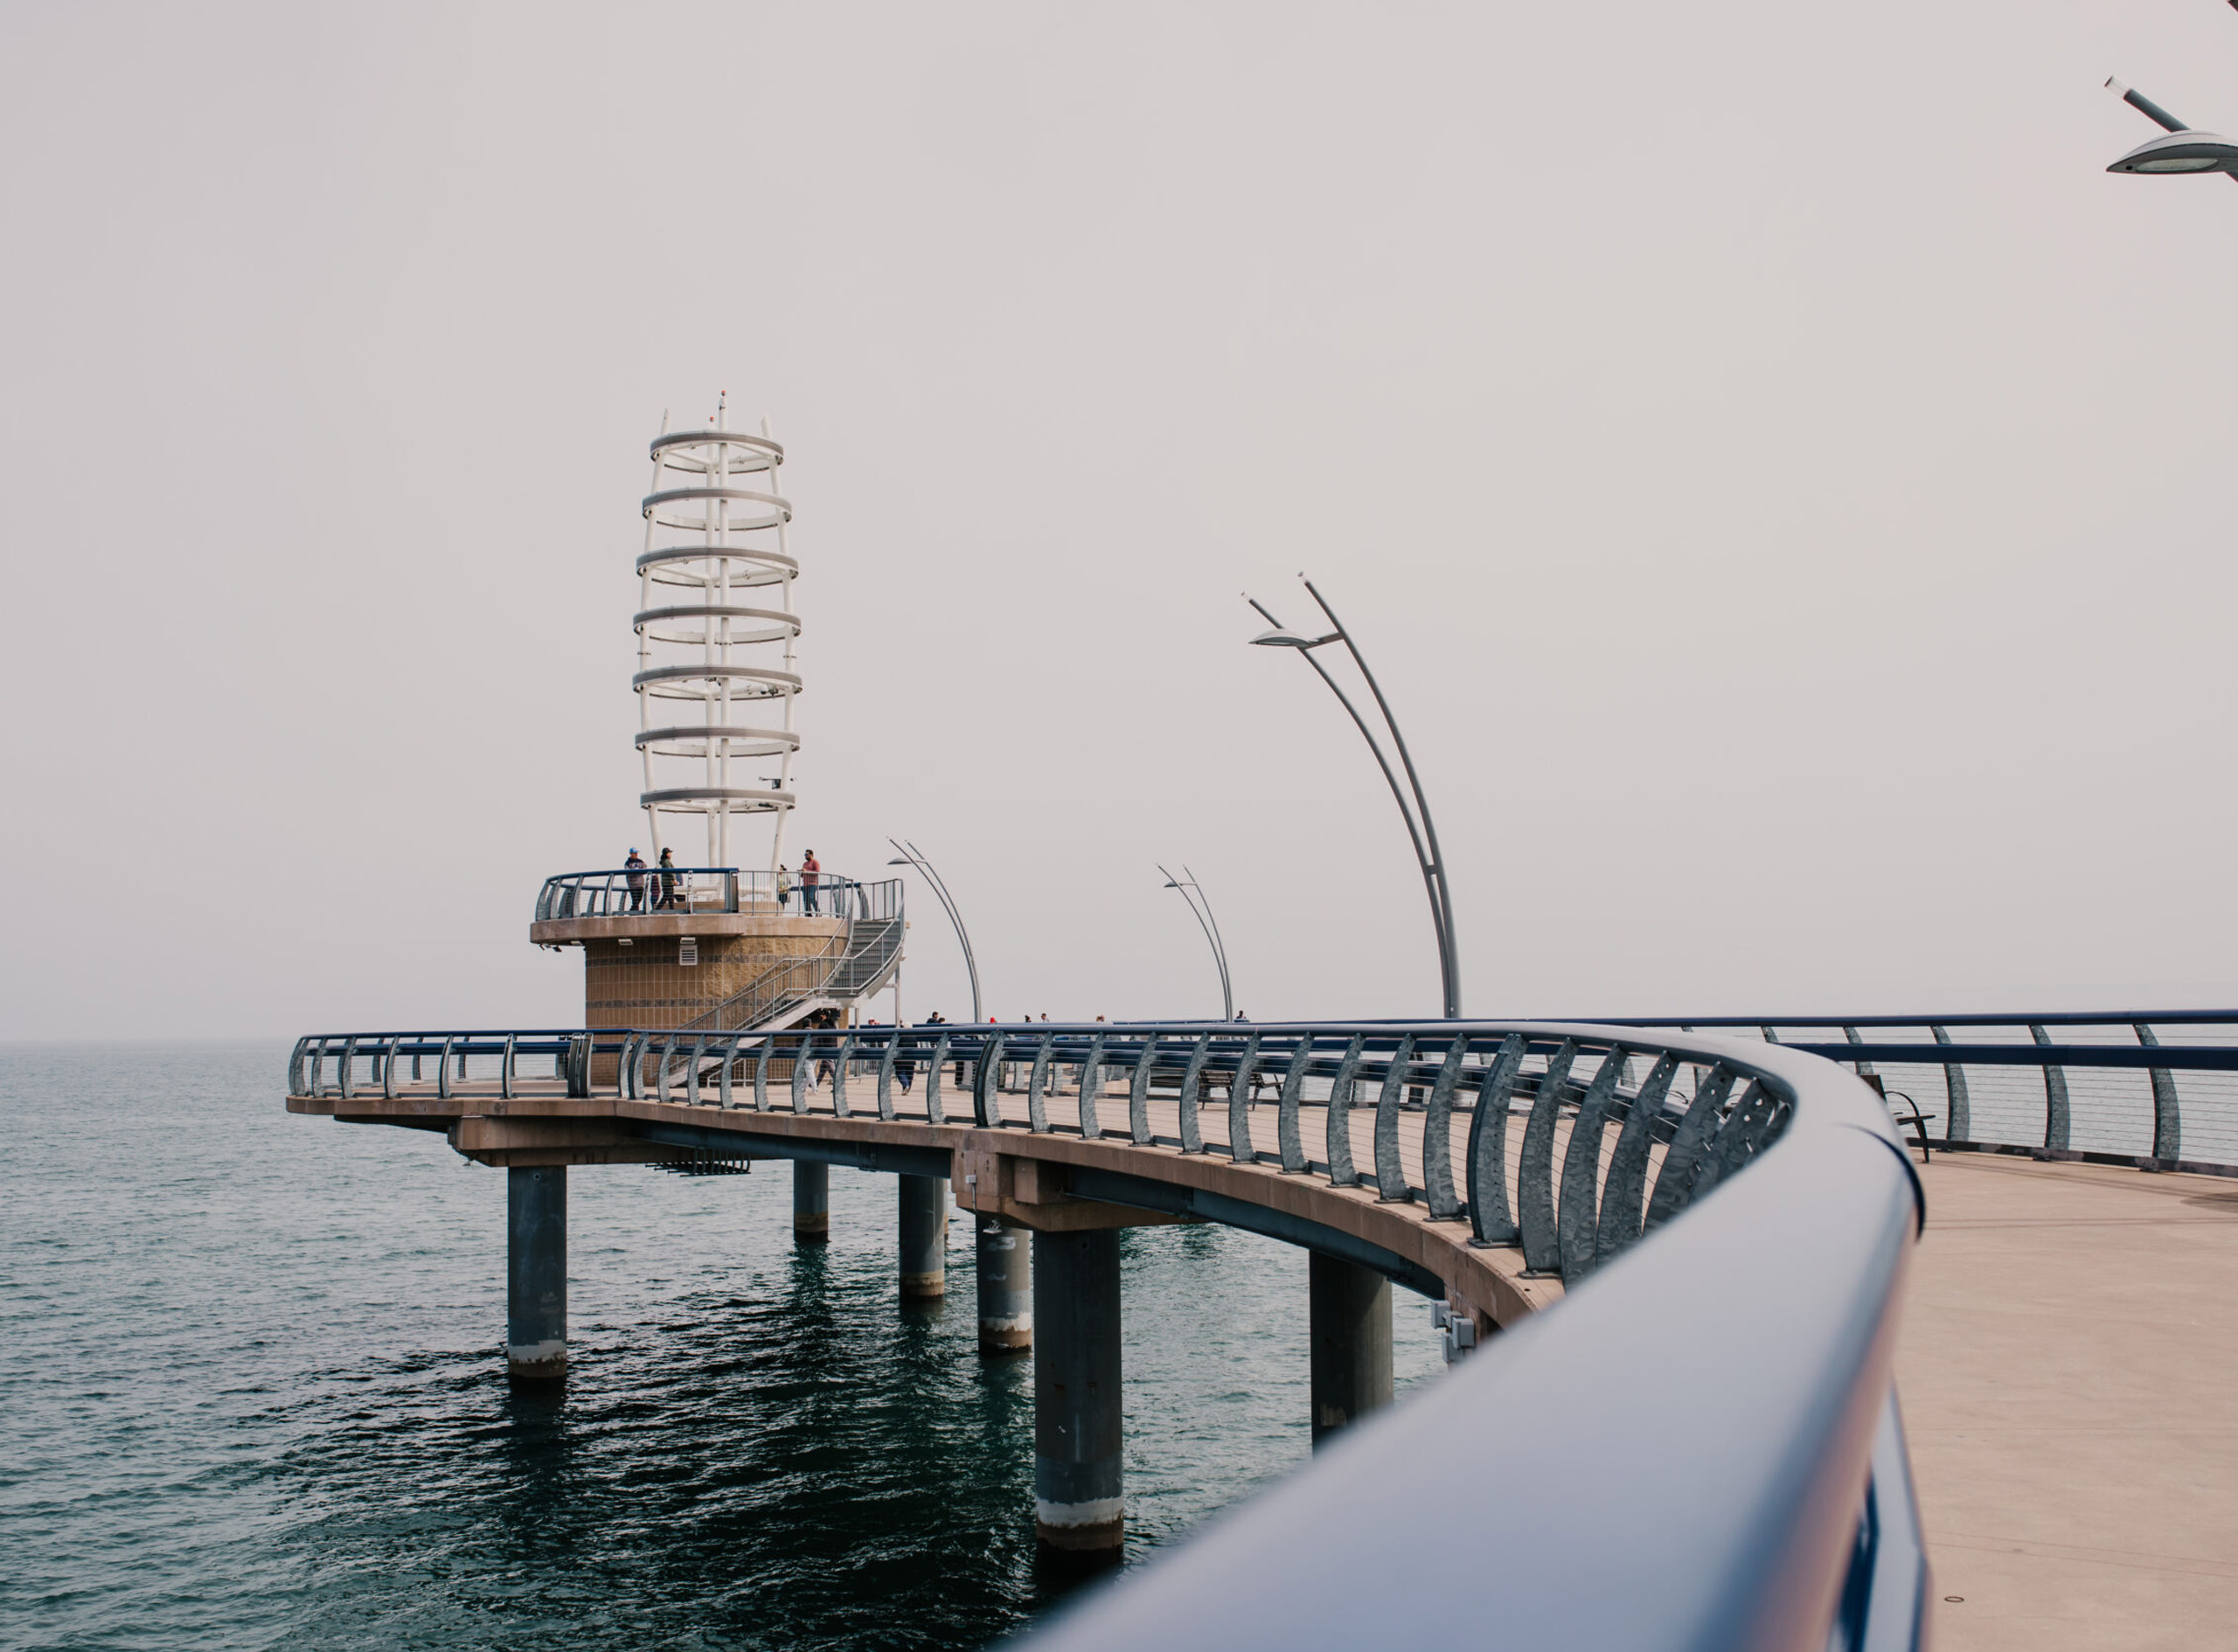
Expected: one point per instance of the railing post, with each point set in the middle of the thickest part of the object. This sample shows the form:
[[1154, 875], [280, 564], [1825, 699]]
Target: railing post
[[1959, 1125], [2167, 1117], [1437, 1136], [2055, 1103], [933, 1078], [1390, 1173], [1241, 1149], [1339, 1141], [1490, 1222], [1091, 1081]]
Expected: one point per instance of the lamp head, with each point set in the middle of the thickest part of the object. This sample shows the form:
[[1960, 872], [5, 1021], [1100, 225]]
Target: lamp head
[[1283, 637], [2186, 151], [899, 861]]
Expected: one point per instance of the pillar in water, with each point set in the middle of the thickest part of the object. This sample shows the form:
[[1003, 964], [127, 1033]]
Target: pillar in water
[[811, 1199], [535, 1273], [924, 1235], [1079, 1499], [1006, 1289], [1350, 1331]]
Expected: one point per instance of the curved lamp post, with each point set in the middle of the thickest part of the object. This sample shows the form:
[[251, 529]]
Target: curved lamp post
[[2182, 150], [1420, 828], [1200, 907], [911, 856]]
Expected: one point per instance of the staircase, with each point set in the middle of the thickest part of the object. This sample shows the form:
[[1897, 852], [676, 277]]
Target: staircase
[[788, 991]]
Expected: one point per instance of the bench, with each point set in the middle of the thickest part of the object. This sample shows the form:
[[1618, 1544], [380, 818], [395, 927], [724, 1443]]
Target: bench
[[1908, 1114]]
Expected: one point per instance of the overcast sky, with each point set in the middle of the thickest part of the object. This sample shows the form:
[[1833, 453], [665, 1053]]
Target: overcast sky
[[1782, 479]]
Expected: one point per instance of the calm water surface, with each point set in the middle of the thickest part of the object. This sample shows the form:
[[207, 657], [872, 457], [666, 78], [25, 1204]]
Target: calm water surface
[[251, 1368]]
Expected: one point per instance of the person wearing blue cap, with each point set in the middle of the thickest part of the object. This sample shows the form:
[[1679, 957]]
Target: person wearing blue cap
[[635, 867]]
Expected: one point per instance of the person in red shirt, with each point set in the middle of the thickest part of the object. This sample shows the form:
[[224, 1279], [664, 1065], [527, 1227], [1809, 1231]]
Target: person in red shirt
[[810, 871]]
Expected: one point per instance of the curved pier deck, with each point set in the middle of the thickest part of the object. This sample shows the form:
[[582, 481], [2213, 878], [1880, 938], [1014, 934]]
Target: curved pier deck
[[2066, 1361], [1742, 1215]]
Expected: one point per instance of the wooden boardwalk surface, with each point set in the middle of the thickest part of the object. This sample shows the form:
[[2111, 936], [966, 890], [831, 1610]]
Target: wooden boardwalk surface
[[2069, 1372]]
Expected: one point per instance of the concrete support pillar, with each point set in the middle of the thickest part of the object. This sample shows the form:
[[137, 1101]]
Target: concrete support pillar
[[535, 1273], [811, 1200], [924, 1235], [1006, 1289], [1079, 1499], [1350, 1330]]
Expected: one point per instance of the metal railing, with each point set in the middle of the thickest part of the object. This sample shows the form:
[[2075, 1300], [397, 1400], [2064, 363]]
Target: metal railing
[[484, 1062], [624, 892], [2155, 1088], [788, 984], [1714, 1403]]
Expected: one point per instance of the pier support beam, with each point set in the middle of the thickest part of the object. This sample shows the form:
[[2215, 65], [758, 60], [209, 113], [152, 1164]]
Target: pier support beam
[[1006, 1288], [535, 1273], [811, 1199], [1350, 1330], [924, 1237], [1079, 1500]]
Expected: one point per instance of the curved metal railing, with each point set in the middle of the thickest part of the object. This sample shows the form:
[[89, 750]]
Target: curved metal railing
[[1699, 1450], [2157, 1088], [1569, 1147], [621, 892], [1715, 1405]]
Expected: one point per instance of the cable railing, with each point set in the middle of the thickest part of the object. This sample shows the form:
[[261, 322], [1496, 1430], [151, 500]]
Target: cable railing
[[625, 891], [1711, 1399], [2154, 1088]]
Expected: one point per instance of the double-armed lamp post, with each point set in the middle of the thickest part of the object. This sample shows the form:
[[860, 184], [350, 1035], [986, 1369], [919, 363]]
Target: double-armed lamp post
[[910, 855], [1421, 830], [1200, 907]]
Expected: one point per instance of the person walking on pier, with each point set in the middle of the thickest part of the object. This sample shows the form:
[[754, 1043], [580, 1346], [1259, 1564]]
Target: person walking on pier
[[810, 871], [668, 875], [635, 867]]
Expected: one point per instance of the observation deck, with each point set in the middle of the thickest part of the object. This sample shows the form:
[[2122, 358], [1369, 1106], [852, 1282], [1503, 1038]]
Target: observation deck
[[716, 947]]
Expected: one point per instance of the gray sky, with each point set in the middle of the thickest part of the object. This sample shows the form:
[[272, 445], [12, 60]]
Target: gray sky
[[1780, 476]]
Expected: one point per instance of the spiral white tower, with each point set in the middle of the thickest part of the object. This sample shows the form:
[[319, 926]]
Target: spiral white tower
[[716, 678]]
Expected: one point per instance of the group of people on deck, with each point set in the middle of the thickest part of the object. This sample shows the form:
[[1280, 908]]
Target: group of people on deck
[[670, 892], [670, 881]]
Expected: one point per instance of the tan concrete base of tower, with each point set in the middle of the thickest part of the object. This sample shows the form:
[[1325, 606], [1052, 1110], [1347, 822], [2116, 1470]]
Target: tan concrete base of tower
[[650, 971]]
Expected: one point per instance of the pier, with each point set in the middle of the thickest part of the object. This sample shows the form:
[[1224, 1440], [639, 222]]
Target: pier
[[1495, 1168], [1668, 1261]]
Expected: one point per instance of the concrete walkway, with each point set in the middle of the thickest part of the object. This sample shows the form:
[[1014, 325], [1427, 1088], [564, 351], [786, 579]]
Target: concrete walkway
[[2069, 1372]]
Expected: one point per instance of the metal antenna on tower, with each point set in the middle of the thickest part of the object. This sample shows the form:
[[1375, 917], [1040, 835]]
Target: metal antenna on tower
[[708, 659]]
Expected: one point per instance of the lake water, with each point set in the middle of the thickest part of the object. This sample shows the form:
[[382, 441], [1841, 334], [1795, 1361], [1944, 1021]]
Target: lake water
[[252, 1371]]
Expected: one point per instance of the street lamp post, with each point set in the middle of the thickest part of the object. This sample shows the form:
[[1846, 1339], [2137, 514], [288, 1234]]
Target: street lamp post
[[1421, 831], [2184, 149], [1200, 907], [910, 855]]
